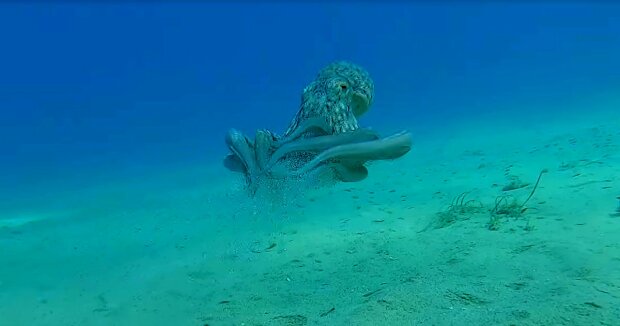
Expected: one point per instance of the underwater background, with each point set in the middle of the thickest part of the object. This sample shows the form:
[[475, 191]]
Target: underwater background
[[115, 208]]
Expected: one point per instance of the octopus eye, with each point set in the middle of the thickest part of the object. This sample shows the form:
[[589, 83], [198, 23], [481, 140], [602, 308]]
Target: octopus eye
[[343, 87]]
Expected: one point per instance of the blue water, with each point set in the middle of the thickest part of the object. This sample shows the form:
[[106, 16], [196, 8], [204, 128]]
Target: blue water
[[91, 92], [113, 86]]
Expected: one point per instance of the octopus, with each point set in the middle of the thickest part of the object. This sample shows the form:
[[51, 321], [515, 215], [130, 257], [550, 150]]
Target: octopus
[[323, 135]]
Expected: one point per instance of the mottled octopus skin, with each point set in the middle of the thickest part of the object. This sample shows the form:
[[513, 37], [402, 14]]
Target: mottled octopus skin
[[333, 95]]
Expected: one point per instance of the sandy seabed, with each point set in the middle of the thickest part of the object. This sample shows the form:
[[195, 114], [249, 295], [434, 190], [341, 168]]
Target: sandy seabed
[[435, 238]]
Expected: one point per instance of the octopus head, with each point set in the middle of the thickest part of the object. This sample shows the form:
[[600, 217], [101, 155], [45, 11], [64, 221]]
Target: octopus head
[[349, 84]]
